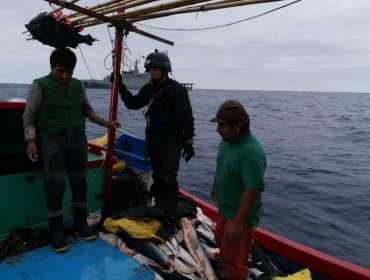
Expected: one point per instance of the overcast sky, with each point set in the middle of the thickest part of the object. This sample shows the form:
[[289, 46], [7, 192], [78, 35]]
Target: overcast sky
[[313, 45]]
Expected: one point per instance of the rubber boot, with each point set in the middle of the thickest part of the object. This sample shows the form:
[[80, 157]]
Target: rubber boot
[[58, 242], [168, 227], [81, 226]]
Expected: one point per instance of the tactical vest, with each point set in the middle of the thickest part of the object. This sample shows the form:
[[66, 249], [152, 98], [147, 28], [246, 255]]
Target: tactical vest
[[162, 115]]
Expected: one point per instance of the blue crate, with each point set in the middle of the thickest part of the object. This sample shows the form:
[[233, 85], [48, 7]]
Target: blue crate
[[131, 149]]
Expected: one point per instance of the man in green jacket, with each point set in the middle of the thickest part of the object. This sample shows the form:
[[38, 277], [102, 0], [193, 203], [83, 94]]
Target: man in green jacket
[[57, 108], [237, 188]]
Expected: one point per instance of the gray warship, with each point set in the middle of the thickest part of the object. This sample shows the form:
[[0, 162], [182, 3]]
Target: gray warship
[[133, 79]]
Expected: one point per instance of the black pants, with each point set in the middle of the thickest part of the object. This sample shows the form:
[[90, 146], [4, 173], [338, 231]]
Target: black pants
[[165, 154], [64, 153]]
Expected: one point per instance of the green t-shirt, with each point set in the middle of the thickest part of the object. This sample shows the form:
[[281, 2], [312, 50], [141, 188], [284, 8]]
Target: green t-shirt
[[240, 165]]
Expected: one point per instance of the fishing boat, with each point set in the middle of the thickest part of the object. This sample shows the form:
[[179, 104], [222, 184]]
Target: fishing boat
[[22, 206], [22, 197]]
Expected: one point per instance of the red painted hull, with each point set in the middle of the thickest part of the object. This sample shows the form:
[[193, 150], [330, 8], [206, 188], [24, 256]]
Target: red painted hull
[[307, 257]]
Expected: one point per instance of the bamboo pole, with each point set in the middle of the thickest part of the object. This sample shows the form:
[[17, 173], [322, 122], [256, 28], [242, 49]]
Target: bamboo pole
[[84, 21], [76, 14], [140, 15], [201, 8], [104, 6], [60, 8], [236, 3], [147, 10], [122, 23], [160, 7], [112, 9], [181, 3]]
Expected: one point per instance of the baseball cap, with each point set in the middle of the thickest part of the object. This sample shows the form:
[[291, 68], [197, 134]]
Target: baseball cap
[[231, 111]]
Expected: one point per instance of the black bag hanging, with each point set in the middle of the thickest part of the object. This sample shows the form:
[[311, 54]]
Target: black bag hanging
[[57, 34]]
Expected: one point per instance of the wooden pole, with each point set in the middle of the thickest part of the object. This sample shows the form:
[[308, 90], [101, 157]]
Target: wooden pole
[[60, 8], [110, 5], [177, 7], [147, 10], [113, 8], [76, 14], [235, 3], [201, 8], [109, 160], [159, 7]]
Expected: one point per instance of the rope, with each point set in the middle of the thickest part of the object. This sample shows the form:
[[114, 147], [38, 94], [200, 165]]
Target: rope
[[96, 173], [105, 59], [87, 66]]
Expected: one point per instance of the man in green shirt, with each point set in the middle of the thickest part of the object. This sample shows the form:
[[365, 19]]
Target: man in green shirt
[[237, 188]]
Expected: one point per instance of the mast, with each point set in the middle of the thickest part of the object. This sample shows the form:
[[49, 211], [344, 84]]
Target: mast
[[136, 67], [109, 161]]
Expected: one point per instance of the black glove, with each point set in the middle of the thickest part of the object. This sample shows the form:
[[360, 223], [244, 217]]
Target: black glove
[[188, 150], [122, 86]]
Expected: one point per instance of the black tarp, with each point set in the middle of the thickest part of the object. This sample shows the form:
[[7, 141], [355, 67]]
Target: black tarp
[[54, 33]]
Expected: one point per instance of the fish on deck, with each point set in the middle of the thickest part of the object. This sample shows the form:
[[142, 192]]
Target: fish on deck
[[196, 250]]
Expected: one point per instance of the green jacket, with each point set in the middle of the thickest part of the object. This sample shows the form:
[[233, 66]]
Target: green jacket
[[61, 106]]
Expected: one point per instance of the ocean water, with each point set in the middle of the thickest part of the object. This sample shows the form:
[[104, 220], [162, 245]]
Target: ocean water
[[318, 163]]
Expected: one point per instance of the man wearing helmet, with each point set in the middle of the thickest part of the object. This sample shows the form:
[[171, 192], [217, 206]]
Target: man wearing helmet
[[170, 130]]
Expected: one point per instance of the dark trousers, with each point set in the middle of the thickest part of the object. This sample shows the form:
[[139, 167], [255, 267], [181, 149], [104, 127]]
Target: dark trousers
[[64, 153], [165, 153]]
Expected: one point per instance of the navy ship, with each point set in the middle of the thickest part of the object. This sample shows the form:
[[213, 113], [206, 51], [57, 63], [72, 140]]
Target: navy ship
[[133, 79]]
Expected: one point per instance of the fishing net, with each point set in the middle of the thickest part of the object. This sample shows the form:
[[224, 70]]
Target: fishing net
[[56, 33]]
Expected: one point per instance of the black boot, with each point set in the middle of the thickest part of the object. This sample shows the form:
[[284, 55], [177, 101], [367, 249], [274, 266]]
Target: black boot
[[58, 242], [81, 226], [168, 227], [156, 193]]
